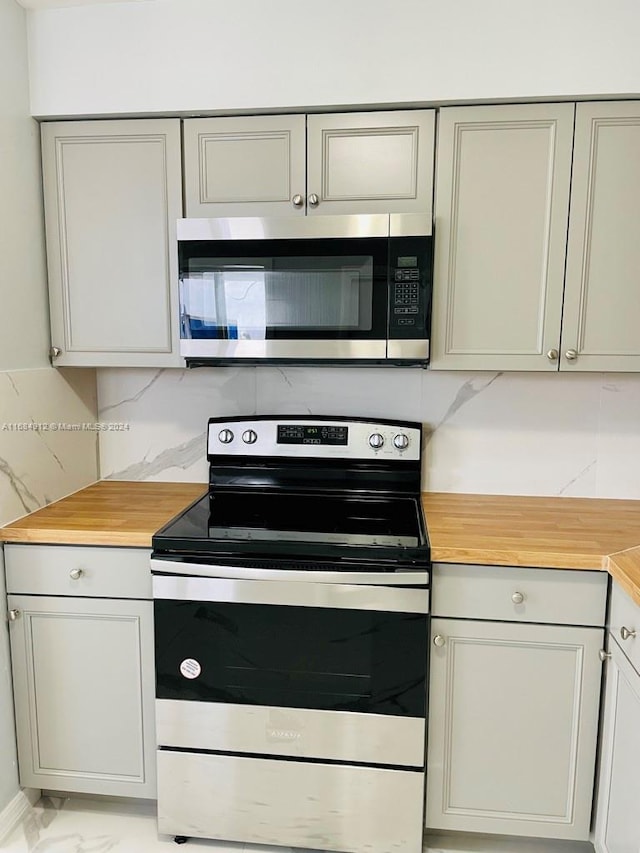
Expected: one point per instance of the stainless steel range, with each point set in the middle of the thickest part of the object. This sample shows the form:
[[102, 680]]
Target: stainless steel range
[[291, 606]]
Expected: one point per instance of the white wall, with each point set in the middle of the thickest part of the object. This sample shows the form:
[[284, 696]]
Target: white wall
[[24, 338], [36, 466], [200, 55], [499, 433]]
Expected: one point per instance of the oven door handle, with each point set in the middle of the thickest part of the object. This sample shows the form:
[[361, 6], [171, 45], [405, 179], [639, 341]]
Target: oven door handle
[[291, 594], [419, 577]]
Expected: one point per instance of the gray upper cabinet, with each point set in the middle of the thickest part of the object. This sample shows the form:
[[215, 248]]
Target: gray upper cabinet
[[501, 206], [602, 296], [244, 166], [112, 192], [378, 162], [371, 162], [511, 210]]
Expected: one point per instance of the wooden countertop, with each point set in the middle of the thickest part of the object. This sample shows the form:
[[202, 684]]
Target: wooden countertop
[[556, 533], [110, 512], [625, 569], [504, 530]]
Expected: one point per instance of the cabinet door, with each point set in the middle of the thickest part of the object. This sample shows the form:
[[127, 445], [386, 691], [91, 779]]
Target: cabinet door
[[602, 296], [371, 162], [84, 694], [513, 718], [112, 192], [251, 166], [618, 804], [501, 208]]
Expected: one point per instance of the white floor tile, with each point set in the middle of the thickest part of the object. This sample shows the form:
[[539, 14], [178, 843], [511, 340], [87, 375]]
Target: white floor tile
[[92, 826]]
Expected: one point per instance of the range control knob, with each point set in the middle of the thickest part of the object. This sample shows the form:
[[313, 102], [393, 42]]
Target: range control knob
[[376, 440], [249, 436], [225, 436], [401, 441]]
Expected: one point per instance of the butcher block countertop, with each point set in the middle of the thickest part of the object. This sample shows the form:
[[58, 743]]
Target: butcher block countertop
[[110, 512], [561, 533], [625, 568], [555, 533]]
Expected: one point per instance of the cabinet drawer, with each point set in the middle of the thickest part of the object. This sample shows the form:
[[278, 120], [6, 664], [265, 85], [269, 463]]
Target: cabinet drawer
[[625, 614], [71, 570], [515, 594]]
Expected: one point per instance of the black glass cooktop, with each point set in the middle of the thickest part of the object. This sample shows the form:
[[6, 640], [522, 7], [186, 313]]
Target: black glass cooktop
[[272, 522]]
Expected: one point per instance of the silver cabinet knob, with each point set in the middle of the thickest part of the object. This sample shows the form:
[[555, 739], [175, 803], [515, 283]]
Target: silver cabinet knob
[[571, 354], [625, 633], [249, 436], [297, 200], [401, 441], [376, 440], [552, 355], [76, 574], [517, 598], [313, 200], [13, 615], [55, 352], [439, 641], [604, 655], [225, 436]]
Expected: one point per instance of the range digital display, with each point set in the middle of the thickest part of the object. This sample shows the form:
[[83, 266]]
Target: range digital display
[[320, 434]]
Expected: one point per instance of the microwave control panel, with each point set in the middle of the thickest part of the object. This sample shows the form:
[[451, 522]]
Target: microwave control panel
[[410, 287]]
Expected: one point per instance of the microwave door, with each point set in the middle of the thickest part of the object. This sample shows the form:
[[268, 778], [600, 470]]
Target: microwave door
[[295, 300]]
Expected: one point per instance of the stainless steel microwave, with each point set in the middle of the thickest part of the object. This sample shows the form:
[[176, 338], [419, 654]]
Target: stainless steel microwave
[[318, 289]]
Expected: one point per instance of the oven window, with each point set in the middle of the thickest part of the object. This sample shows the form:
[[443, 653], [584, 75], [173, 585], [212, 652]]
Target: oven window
[[283, 289], [296, 657]]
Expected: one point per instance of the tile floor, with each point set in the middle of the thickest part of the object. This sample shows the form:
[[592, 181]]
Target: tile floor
[[76, 825]]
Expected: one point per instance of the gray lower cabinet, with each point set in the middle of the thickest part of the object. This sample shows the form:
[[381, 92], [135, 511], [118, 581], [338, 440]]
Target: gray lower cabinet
[[112, 195], [618, 802], [513, 705], [83, 673]]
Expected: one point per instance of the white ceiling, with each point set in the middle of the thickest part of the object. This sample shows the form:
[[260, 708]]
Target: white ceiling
[[58, 4]]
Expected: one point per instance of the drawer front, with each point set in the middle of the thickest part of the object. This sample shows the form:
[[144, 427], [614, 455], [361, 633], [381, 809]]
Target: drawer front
[[72, 570], [291, 803], [515, 594], [624, 624]]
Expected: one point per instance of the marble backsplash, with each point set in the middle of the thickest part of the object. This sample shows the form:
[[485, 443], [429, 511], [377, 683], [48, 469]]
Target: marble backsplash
[[498, 433], [39, 465]]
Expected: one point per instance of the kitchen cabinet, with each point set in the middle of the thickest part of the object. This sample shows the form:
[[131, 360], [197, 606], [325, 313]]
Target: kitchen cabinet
[[81, 633], [602, 292], [504, 186], [617, 827], [377, 162], [501, 206], [514, 700], [112, 195]]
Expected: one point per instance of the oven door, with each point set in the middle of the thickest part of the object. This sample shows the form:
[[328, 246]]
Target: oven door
[[284, 289], [307, 670]]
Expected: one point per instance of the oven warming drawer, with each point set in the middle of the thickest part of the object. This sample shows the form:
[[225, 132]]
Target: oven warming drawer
[[290, 803], [291, 732]]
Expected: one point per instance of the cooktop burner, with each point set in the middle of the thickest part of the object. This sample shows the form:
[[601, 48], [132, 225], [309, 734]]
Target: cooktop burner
[[296, 518]]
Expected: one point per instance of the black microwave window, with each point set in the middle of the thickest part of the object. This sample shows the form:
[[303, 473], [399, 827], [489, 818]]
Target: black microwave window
[[283, 289]]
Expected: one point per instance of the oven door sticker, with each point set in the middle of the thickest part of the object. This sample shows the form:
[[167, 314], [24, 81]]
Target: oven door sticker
[[190, 668]]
